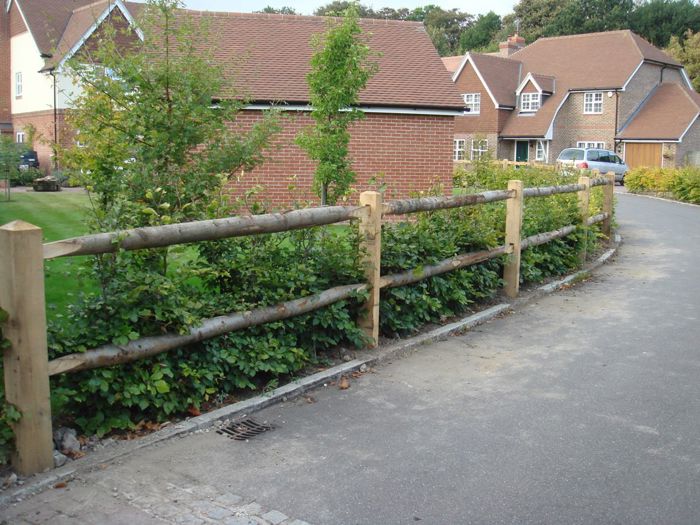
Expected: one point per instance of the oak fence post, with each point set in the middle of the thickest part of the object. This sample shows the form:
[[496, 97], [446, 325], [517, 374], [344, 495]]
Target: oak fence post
[[371, 246], [26, 359], [584, 199], [514, 221], [608, 203]]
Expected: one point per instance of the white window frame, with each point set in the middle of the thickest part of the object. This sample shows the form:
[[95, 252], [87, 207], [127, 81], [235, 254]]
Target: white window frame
[[541, 151], [479, 148], [592, 103], [18, 84], [19, 138], [458, 149], [590, 144], [530, 102], [472, 103]]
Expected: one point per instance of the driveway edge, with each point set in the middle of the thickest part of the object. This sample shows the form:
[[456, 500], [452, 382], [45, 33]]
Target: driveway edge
[[99, 459]]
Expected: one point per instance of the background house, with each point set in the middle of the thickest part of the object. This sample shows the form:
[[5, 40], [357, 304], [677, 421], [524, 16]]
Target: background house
[[405, 141], [609, 90]]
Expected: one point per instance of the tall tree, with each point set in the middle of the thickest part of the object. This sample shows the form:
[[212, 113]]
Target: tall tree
[[340, 68], [284, 10], [590, 16], [481, 33], [659, 20], [339, 7], [687, 52], [531, 17]]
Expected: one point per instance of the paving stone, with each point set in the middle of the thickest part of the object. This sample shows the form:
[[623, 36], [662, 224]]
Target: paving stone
[[228, 499], [250, 508], [188, 519], [299, 522], [211, 510], [274, 516], [239, 520]]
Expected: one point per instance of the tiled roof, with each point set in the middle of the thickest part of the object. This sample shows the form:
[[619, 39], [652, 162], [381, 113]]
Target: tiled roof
[[47, 20], [267, 57], [452, 63], [545, 82], [502, 76], [666, 115]]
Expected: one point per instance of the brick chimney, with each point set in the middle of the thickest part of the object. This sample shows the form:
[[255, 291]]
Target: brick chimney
[[511, 45]]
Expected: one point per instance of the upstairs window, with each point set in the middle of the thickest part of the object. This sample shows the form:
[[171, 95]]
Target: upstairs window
[[590, 145], [592, 103], [479, 148], [18, 84], [472, 103], [458, 151], [20, 137], [530, 102]]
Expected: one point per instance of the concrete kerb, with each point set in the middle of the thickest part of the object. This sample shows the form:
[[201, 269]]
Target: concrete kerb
[[296, 388]]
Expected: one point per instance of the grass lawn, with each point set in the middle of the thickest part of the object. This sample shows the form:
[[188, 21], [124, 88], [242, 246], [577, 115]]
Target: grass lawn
[[60, 215]]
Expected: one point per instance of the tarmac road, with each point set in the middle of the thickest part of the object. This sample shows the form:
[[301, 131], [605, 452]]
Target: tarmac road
[[583, 407]]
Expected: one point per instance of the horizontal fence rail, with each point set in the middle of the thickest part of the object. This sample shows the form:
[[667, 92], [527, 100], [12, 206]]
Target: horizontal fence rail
[[108, 355], [22, 253], [405, 206], [197, 231]]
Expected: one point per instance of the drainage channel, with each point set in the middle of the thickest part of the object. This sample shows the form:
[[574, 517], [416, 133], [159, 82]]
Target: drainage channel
[[245, 429]]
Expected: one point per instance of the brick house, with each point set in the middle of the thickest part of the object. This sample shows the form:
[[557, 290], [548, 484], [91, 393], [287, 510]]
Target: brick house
[[405, 141], [609, 90]]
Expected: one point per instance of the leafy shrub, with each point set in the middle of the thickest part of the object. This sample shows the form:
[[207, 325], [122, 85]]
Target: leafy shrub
[[686, 185], [680, 183]]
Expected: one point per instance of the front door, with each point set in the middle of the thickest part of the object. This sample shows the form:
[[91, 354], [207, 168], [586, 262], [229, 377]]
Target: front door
[[522, 151]]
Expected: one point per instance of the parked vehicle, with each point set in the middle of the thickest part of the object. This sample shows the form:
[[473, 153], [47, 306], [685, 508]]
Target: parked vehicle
[[29, 159], [602, 160]]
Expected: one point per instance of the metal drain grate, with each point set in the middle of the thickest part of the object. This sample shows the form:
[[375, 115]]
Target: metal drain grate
[[245, 429]]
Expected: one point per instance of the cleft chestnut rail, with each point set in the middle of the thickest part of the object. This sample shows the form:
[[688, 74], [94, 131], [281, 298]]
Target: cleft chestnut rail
[[22, 254]]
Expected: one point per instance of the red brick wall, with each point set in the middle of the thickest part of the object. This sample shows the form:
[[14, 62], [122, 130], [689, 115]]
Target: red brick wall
[[487, 121], [413, 153], [5, 71], [43, 121]]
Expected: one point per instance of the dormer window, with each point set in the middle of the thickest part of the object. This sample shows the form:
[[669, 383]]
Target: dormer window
[[530, 102], [472, 103]]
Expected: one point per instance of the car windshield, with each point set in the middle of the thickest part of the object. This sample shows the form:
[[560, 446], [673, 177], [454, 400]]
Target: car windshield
[[571, 154]]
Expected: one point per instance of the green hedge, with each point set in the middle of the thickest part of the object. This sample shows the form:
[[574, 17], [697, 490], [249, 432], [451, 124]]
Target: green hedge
[[682, 184], [244, 273]]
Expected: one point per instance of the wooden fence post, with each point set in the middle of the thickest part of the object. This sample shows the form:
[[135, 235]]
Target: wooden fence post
[[26, 359], [584, 199], [514, 222], [371, 245], [608, 203]]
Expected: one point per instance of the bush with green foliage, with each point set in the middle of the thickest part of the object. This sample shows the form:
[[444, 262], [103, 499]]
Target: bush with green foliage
[[682, 184]]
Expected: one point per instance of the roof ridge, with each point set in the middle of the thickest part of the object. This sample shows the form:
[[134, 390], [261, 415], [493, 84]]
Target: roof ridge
[[579, 35], [685, 91], [507, 59], [237, 14]]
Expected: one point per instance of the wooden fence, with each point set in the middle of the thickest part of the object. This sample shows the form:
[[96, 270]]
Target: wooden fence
[[22, 254]]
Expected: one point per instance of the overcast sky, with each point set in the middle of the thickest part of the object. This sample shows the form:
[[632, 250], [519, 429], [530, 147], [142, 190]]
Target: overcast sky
[[307, 7]]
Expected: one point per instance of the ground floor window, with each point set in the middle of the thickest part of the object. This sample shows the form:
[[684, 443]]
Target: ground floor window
[[20, 137], [479, 148], [588, 145], [541, 151], [458, 151]]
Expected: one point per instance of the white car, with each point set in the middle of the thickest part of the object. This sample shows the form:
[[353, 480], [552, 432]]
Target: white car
[[602, 160]]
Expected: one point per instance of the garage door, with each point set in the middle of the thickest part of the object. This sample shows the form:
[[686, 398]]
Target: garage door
[[637, 154]]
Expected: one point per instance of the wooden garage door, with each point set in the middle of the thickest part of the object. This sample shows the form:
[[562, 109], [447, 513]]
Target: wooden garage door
[[638, 154]]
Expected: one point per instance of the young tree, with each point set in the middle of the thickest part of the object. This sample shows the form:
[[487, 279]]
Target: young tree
[[687, 53], [150, 115], [340, 68]]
